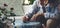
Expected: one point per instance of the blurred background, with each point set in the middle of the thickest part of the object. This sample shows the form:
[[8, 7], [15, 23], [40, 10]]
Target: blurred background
[[18, 5]]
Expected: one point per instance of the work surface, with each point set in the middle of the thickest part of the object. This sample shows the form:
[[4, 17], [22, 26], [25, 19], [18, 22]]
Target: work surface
[[20, 24]]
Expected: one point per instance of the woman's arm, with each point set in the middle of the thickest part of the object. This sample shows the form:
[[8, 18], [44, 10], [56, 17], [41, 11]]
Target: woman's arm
[[34, 17]]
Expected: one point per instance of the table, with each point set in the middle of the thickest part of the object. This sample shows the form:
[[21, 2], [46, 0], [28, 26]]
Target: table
[[27, 25]]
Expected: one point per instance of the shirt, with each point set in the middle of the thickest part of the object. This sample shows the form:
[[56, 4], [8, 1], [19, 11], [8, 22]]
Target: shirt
[[37, 8]]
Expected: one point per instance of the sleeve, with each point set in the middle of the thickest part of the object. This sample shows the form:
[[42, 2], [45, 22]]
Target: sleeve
[[33, 10], [50, 15]]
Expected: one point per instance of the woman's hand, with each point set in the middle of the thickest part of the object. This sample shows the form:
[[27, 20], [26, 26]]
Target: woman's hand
[[25, 18], [33, 18]]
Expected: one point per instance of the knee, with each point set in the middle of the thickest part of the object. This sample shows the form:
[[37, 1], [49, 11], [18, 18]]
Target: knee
[[49, 23]]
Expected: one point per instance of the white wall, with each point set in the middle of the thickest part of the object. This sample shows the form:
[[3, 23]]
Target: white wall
[[16, 4]]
